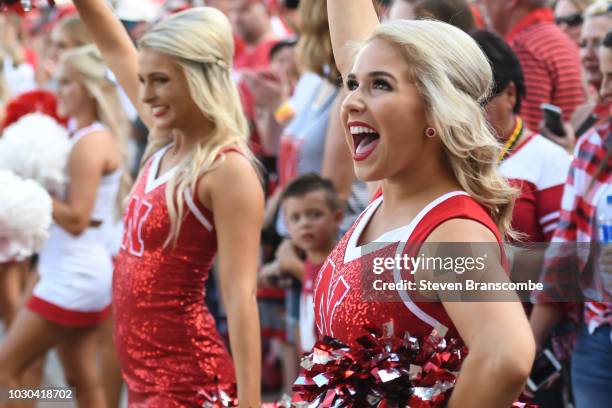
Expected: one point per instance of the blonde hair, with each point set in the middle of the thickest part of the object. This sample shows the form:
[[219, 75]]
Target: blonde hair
[[200, 40], [314, 50], [598, 8], [76, 31], [581, 5], [454, 79], [5, 93], [94, 75]]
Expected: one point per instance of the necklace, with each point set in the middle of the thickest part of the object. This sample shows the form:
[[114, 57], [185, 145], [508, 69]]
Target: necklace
[[512, 140]]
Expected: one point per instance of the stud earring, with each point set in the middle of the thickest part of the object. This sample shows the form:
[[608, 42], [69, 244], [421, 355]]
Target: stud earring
[[430, 132]]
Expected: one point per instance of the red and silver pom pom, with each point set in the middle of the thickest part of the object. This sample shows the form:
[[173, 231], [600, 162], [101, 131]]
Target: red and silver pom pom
[[219, 398], [381, 371]]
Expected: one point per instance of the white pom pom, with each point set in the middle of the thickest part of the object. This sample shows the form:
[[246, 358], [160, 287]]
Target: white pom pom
[[25, 217], [37, 147]]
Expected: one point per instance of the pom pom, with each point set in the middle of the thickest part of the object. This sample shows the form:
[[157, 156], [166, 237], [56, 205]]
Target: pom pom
[[25, 217], [381, 371], [37, 147], [219, 398], [30, 102]]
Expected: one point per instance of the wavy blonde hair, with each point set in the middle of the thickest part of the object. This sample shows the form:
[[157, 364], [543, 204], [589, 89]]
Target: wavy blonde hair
[[200, 40], [454, 79], [94, 76], [314, 50]]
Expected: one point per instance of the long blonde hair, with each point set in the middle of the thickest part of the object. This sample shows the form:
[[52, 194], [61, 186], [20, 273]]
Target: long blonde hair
[[454, 79], [314, 50], [94, 75], [200, 40]]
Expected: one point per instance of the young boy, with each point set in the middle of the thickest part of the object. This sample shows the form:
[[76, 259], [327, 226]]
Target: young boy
[[312, 215]]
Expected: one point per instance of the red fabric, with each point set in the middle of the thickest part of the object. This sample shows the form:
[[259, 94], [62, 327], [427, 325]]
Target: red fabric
[[343, 305], [551, 65], [310, 274], [165, 337], [31, 57], [29, 102], [252, 58], [271, 293], [565, 265], [602, 110], [541, 15], [538, 168], [65, 317], [239, 46], [288, 156], [478, 18]]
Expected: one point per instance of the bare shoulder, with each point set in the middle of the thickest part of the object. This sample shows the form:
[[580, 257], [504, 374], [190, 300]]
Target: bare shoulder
[[461, 230], [234, 178], [93, 144], [98, 139]]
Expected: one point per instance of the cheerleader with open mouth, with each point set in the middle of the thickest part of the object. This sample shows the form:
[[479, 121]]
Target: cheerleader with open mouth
[[414, 121]]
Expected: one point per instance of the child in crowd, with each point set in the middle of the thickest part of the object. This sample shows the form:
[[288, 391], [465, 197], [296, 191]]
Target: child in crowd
[[313, 215]]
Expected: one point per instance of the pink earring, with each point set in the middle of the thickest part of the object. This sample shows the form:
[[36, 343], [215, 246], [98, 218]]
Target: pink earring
[[430, 132]]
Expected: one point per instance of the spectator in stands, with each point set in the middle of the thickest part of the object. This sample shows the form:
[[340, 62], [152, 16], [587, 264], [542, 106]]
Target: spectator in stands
[[68, 33], [568, 16], [19, 62], [252, 23], [568, 267], [549, 57], [597, 22], [530, 162]]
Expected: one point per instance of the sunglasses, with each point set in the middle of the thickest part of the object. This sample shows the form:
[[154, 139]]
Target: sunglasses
[[572, 20]]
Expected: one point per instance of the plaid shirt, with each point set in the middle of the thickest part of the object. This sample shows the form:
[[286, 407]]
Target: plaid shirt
[[567, 272]]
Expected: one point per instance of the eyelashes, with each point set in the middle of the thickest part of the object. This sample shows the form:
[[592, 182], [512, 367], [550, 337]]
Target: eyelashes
[[377, 84]]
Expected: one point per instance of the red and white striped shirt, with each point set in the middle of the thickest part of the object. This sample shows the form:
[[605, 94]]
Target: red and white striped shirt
[[551, 66], [576, 224]]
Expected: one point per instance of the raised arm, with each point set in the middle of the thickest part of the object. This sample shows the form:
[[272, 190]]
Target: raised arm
[[116, 47], [349, 21]]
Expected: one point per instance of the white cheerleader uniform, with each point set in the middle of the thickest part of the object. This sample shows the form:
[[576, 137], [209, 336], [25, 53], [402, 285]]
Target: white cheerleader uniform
[[76, 271]]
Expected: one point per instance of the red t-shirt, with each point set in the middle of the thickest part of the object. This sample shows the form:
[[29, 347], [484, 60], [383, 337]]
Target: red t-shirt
[[551, 66], [251, 58], [308, 332]]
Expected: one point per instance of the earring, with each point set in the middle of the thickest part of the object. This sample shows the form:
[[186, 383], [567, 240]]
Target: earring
[[430, 132]]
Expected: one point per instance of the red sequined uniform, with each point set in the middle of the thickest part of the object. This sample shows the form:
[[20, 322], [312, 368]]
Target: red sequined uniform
[[344, 298], [165, 336]]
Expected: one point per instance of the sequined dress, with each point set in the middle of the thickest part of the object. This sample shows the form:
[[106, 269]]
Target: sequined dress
[[344, 297], [165, 336]]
